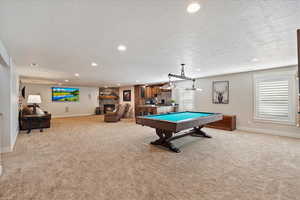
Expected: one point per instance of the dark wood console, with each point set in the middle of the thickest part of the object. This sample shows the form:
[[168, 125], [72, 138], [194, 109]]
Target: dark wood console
[[29, 122]]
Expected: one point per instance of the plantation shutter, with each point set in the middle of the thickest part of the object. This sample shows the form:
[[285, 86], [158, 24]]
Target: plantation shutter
[[274, 98], [188, 100]]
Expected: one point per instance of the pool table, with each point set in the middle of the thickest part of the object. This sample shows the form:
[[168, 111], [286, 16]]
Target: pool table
[[168, 124]]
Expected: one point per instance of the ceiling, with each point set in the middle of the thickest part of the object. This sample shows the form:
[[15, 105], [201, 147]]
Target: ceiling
[[64, 36]]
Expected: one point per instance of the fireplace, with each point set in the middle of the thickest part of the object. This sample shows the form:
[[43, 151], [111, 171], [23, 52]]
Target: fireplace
[[109, 107]]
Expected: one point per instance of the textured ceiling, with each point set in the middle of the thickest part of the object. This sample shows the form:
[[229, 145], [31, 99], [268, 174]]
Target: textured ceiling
[[65, 36]]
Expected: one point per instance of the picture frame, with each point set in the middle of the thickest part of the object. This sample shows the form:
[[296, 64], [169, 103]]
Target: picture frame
[[126, 95], [220, 92]]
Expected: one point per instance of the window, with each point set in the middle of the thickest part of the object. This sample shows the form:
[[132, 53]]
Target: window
[[187, 100], [275, 97]]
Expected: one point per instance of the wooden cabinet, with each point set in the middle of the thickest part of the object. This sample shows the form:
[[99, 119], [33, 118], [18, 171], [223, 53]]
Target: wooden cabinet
[[148, 93], [228, 123], [155, 91], [151, 92]]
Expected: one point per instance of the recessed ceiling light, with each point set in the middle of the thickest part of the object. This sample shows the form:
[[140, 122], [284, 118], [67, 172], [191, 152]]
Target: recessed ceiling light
[[66, 80], [255, 60], [76, 74], [193, 8], [137, 81], [118, 84], [94, 64], [34, 65], [122, 47]]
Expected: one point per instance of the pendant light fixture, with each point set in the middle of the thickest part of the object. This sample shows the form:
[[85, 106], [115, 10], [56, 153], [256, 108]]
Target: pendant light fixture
[[184, 77]]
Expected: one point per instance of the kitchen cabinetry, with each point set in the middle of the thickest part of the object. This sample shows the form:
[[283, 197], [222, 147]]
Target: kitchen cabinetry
[[148, 92], [152, 109], [143, 94], [151, 92]]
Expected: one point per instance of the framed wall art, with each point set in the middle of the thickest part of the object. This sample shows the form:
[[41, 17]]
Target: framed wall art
[[126, 95], [220, 92]]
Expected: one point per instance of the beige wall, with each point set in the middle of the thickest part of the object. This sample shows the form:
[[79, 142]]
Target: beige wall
[[241, 102], [88, 100], [132, 98]]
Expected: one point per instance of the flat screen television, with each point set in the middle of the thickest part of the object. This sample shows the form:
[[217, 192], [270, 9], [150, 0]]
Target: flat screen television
[[61, 94]]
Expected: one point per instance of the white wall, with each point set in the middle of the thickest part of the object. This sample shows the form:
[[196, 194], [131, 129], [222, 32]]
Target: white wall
[[14, 104], [241, 102], [88, 100], [132, 98], [8, 102], [1, 135], [5, 107]]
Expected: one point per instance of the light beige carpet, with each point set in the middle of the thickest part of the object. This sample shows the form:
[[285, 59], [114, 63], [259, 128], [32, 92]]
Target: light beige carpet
[[87, 159]]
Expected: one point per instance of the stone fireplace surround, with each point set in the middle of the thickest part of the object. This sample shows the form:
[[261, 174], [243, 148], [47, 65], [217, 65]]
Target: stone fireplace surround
[[108, 99]]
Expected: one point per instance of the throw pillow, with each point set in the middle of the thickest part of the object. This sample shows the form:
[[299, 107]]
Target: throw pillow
[[39, 111], [26, 111]]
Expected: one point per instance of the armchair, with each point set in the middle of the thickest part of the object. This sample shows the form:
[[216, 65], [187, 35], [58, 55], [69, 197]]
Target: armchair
[[117, 114]]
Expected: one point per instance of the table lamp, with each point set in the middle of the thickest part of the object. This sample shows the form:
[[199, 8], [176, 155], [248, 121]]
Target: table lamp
[[34, 99]]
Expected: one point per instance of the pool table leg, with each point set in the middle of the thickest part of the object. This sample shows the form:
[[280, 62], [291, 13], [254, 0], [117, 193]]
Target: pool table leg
[[160, 134], [164, 140], [198, 132]]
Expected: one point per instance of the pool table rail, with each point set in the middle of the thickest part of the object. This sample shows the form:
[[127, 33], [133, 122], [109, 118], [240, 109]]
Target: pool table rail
[[178, 125]]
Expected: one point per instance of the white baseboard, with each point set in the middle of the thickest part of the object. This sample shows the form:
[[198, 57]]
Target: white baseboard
[[270, 132], [75, 115], [6, 149], [14, 140], [12, 145]]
